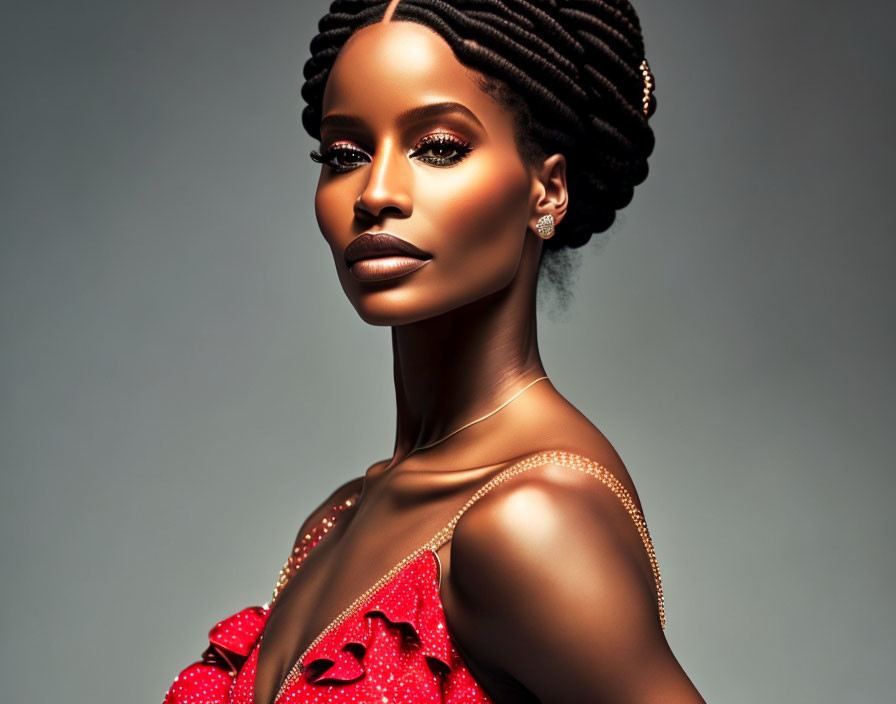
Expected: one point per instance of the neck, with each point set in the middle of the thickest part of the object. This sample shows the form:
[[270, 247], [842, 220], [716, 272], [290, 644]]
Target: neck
[[456, 367]]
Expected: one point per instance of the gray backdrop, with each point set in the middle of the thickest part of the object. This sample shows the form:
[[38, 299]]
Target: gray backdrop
[[178, 359]]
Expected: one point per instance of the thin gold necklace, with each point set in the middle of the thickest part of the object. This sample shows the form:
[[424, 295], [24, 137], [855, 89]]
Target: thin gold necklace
[[298, 666], [478, 420], [292, 563]]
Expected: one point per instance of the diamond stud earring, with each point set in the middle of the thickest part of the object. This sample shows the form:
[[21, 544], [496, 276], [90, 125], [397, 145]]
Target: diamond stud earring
[[545, 226]]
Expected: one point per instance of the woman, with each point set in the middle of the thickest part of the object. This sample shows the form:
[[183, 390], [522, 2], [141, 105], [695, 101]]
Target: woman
[[500, 554]]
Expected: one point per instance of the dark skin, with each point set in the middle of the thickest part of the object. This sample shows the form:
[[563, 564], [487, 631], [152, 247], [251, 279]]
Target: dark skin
[[546, 585]]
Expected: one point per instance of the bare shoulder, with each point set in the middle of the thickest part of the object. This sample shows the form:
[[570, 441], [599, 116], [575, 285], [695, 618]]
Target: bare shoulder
[[571, 497], [561, 426], [554, 518], [339, 496], [553, 587]]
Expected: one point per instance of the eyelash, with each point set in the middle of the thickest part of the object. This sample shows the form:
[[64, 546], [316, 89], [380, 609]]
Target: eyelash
[[461, 147]]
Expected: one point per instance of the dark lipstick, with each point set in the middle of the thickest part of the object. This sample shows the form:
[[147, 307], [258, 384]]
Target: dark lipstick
[[378, 256]]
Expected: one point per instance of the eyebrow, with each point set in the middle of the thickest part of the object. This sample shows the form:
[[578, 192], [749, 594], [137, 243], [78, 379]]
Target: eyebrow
[[421, 112]]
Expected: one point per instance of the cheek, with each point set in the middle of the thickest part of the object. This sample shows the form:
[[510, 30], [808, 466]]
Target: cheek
[[476, 215], [333, 211]]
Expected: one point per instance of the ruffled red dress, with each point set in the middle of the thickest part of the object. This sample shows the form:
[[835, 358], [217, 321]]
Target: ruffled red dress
[[392, 646]]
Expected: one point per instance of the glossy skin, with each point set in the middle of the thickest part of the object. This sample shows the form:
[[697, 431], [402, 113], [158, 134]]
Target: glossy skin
[[546, 586], [470, 213]]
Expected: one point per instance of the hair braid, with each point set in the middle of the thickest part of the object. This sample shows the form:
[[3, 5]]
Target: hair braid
[[485, 45], [569, 70], [609, 19]]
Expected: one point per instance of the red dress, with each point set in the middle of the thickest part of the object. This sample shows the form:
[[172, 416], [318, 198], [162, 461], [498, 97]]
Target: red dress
[[391, 646]]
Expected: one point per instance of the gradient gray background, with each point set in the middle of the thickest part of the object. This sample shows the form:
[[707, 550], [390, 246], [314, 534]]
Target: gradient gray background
[[183, 379]]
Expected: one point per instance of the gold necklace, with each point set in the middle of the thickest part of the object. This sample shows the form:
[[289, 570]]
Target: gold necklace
[[300, 551], [473, 422]]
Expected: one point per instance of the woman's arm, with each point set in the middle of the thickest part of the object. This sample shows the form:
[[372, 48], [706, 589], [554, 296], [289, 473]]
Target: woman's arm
[[553, 587]]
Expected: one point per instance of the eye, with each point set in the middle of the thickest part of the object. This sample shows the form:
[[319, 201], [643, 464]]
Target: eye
[[442, 149], [341, 156]]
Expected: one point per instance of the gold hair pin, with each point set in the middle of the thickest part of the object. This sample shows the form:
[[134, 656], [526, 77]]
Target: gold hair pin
[[649, 85]]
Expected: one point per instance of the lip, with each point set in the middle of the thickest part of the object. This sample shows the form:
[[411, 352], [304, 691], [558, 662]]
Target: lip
[[384, 268], [378, 256], [381, 244]]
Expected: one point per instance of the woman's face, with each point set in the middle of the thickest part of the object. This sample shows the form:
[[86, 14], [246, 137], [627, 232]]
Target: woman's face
[[414, 148]]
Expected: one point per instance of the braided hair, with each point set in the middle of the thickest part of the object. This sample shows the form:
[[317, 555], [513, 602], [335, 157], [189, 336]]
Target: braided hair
[[570, 71]]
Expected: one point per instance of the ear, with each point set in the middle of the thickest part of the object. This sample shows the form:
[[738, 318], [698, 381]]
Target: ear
[[549, 192]]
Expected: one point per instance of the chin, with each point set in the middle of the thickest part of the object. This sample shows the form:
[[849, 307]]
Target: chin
[[395, 308], [398, 306], [390, 319]]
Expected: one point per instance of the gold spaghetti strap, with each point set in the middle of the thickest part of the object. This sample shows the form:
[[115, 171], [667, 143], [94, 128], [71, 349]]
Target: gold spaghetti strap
[[582, 464], [559, 457], [308, 541]]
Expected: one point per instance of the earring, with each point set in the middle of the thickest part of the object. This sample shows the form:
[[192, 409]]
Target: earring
[[545, 226]]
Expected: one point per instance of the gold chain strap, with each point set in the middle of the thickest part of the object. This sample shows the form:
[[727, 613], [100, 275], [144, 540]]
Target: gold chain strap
[[566, 459], [309, 541]]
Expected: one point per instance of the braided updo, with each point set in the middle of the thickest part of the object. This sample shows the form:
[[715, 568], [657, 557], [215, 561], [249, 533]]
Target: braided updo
[[570, 71]]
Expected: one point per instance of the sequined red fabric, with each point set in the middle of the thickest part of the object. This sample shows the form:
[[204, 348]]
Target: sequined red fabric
[[395, 649]]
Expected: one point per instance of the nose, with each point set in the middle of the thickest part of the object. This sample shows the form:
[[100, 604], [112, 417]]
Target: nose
[[387, 189]]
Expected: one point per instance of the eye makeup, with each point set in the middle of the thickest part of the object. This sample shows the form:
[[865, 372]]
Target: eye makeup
[[437, 144], [340, 156], [440, 149]]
